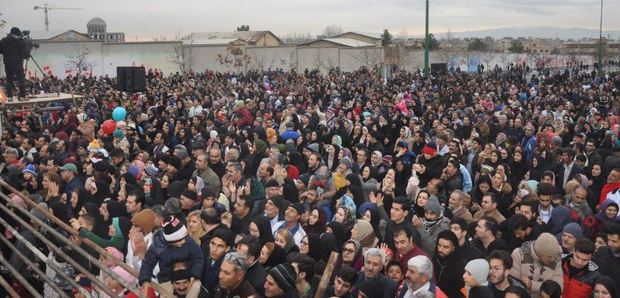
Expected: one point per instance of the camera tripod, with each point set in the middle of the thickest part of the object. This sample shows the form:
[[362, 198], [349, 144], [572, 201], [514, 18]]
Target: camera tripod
[[35, 63]]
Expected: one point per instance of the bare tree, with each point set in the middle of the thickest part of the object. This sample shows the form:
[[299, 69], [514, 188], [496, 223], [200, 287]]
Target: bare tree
[[448, 40], [2, 21], [368, 57], [182, 55], [78, 60], [486, 58], [236, 59], [332, 30], [403, 35], [261, 62], [297, 38]]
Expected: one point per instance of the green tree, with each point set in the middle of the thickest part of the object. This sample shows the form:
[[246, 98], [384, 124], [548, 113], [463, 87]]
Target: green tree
[[386, 37], [516, 47], [477, 45], [243, 28], [434, 43]]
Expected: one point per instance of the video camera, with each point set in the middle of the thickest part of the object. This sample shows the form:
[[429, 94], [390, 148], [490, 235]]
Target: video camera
[[30, 44]]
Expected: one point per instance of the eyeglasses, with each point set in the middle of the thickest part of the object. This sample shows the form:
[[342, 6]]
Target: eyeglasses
[[348, 250]]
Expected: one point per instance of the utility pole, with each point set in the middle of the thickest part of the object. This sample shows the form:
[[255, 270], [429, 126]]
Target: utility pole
[[600, 41], [427, 45]]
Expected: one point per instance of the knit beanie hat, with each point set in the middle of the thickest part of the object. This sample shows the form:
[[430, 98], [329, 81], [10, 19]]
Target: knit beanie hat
[[145, 220], [314, 147], [39, 214], [117, 254], [133, 170], [548, 245], [479, 269], [118, 134], [190, 194], [128, 277], [30, 169], [374, 287], [433, 205], [284, 275], [347, 162], [152, 170], [174, 229], [430, 149], [573, 229]]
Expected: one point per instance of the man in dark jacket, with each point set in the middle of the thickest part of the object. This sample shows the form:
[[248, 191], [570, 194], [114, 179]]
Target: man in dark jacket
[[448, 265], [221, 242], [399, 218], [468, 252], [343, 284], [500, 263], [13, 48], [374, 260], [250, 247], [232, 282], [608, 257], [170, 246]]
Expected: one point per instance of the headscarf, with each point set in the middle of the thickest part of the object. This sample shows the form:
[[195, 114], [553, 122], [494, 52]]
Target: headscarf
[[319, 226], [603, 216], [290, 241], [608, 283], [358, 260], [328, 245], [365, 233], [314, 246], [339, 230], [264, 228], [277, 257], [93, 210]]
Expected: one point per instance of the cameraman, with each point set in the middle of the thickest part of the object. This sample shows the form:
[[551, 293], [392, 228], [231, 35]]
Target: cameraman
[[13, 48]]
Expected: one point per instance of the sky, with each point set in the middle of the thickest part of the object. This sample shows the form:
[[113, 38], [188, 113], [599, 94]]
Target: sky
[[156, 18]]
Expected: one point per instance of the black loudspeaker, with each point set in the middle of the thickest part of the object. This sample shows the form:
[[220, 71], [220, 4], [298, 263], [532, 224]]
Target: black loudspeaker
[[130, 79], [439, 68]]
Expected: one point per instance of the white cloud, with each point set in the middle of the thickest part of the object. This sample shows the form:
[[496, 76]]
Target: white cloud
[[156, 17]]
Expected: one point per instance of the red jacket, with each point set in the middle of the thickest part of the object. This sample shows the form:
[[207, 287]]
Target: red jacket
[[580, 285], [607, 188]]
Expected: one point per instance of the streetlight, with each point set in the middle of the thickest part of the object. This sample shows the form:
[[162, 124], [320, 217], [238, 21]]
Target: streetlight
[[427, 42], [600, 41]]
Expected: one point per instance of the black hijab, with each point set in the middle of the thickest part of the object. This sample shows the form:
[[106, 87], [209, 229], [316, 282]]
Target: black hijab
[[264, 228], [314, 246], [328, 245]]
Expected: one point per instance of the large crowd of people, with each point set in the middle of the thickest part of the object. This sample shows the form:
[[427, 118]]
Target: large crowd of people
[[504, 183]]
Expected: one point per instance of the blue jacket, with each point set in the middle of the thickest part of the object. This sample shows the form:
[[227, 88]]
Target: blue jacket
[[528, 144], [166, 255]]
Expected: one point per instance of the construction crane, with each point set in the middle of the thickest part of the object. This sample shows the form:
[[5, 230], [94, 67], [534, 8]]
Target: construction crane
[[46, 8]]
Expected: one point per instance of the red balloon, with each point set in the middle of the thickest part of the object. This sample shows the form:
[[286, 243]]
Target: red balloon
[[108, 126]]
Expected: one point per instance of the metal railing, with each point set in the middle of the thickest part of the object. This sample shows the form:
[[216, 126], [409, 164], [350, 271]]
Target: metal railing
[[67, 242]]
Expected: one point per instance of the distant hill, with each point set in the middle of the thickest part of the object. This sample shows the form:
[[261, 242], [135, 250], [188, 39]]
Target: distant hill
[[538, 31]]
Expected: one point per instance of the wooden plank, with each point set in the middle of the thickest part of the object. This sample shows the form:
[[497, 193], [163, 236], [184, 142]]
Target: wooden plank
[[327, 275]]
